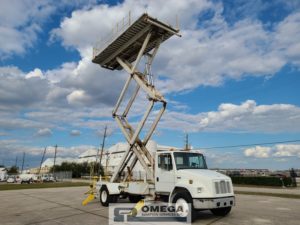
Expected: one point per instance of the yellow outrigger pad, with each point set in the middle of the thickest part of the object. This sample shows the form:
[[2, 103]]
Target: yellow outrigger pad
[[91, 193], [137, 208], [88, 199]]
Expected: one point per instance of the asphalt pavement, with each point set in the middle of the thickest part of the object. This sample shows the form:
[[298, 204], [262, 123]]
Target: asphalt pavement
[[63, 206]]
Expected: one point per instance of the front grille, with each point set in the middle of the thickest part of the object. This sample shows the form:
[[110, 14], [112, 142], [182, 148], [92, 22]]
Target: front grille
[[222, 187]]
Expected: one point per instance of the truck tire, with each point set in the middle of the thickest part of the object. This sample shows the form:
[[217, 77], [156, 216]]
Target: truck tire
[[134, 198], [221, 211], [105, 197], [184, 198]]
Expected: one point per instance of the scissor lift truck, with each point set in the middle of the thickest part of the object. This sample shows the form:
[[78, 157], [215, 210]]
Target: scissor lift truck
[[179, 177]]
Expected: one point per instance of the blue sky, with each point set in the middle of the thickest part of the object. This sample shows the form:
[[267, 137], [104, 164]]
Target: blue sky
[[231, 79]]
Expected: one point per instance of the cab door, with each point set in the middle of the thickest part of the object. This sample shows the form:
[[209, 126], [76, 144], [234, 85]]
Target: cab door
[[164, 173]]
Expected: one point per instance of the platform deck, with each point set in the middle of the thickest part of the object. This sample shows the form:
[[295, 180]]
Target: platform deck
[[127, 45]]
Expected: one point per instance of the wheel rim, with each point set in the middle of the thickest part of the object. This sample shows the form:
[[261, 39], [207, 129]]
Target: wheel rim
[[104, 196], [182, 207]]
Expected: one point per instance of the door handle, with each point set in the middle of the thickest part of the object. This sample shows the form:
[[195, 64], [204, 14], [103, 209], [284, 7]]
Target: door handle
[[157, 179]]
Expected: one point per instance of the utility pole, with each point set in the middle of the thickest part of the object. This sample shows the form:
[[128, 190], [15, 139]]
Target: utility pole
[[102, 148], [23, 160], [42, 160], [55, 151], [16, 163]]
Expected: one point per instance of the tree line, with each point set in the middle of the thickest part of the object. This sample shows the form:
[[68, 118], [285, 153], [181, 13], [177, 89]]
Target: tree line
[[79, 169]]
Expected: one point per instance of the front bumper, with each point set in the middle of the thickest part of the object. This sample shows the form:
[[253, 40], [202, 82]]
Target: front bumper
[[213, 203]]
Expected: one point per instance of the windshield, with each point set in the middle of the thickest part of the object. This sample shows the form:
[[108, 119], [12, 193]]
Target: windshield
[[189, 160]]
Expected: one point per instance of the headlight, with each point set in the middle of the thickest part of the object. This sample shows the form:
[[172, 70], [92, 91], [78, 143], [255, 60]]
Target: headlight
[[199, 189]]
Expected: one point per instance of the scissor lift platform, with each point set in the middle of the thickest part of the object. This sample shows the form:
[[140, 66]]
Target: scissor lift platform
[[128, 44], [142, 38]]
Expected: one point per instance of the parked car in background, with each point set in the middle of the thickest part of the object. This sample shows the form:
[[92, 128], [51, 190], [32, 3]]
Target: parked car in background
[[26, 178], [51, 178], [11, 179], [37, 178], [18, 179]]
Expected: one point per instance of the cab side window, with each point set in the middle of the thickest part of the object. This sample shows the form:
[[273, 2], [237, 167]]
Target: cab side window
[[165, 162]]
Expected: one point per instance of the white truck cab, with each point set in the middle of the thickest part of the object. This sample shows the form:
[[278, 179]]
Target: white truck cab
[[186, 172], [179, 176]]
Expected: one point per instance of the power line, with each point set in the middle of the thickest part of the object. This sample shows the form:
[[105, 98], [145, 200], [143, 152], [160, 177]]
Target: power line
[[245, 145]]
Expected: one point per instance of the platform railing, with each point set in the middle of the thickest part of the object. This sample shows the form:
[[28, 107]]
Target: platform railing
[[119, 28]]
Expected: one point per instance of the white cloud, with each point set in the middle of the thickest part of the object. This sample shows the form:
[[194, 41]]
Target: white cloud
[[10, 122], [78, 90], [35, 73], [280, 151], [75, 133], [78, 97], [19, 24], [44, 132], [287, 38], [220, 50], [10, 149], [246, 117], [16, 91], [22, 21], [289, 150], [258, 152], [74, 30], [11, 71]]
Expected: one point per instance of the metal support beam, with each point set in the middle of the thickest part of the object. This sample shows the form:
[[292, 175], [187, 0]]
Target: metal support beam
[[121, 96], [133, 97], [154, 124], [141, 52], [118, 169], [141, 124], [137, 150]]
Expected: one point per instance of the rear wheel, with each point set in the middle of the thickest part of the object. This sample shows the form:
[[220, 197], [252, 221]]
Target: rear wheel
[[105, 197], [221, 211]]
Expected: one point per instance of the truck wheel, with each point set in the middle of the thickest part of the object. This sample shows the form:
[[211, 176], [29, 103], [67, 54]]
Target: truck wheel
[[221, 211], [134, 198], [183, 199], [105, 197]]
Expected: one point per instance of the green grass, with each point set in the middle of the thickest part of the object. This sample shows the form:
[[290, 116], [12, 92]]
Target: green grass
[[294, 196], [5, 187]]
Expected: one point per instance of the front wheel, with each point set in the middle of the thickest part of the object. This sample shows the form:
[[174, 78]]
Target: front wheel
[[185, 202], [105, 197], [221, 211]]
